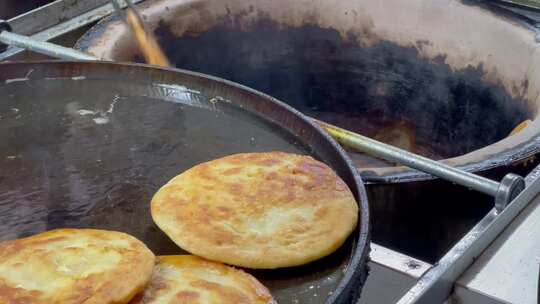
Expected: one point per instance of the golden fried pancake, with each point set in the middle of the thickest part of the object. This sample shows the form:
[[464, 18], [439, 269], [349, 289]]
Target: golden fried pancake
[[257, 210], [74, 266], [188, 279]]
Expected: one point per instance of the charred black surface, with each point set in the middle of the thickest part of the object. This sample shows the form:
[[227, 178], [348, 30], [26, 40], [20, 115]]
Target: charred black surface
[[384, 91], [419, 221]]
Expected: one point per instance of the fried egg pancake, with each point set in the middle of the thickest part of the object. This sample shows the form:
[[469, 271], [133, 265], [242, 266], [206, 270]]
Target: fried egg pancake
[[74, 266], [257, 210], [188, 279]]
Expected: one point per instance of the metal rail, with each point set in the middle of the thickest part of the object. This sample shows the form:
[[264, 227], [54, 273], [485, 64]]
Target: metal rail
[[436, 284]]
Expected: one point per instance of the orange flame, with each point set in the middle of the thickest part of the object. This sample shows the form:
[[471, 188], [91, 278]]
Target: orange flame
[[147, 42], [520, 127], [398, 135]]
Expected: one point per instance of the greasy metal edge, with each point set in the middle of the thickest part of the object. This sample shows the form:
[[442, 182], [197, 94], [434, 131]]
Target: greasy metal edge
[[500, 8], [398, 262], [350, 286], [391, 275]]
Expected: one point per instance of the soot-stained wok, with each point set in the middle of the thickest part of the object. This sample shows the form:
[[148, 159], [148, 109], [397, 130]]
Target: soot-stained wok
[[448, 79]]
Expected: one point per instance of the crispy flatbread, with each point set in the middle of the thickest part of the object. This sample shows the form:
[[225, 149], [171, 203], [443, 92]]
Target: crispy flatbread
[[188, 279], [257, 210], [74, 266]]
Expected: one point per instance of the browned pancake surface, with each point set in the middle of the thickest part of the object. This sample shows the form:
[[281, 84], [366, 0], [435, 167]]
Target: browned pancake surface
[[188, 279], [74, 266], [257, 210]]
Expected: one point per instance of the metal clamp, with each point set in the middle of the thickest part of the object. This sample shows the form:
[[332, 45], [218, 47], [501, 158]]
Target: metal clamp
[[509, 188]]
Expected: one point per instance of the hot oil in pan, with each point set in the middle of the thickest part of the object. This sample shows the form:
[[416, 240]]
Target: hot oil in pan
[[90, 153]]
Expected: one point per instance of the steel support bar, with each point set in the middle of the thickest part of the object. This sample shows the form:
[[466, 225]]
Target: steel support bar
[[436, 284], [503, 192], [46, 48]]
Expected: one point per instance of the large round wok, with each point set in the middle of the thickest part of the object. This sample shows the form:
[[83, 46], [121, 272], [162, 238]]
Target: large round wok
[[446, 79], [88, 144]]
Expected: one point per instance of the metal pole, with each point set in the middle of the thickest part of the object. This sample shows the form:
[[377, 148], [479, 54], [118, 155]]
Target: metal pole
[[391, 153], [41, 47]]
